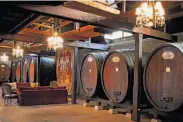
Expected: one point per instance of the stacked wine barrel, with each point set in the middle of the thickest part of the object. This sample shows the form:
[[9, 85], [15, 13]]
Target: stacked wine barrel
[[5, 71]]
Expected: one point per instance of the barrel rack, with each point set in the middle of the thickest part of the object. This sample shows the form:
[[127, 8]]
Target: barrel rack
[[138, 32]]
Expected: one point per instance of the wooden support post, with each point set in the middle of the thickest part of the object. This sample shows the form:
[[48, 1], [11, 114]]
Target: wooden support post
[[137, 78], [75, 75]]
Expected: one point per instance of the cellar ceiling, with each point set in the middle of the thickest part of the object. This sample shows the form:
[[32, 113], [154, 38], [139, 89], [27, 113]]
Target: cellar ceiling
[[31, 29]]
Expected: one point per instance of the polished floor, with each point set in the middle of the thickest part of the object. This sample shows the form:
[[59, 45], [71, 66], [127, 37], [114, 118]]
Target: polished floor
[[56, 113]]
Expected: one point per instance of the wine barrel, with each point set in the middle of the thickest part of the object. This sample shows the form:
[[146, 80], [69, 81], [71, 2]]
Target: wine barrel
[[18, 71], [163, 77], [90, 74], [25, 68], [118, 75], [32, 71], [4, 72], [13, 71], [47, 72]]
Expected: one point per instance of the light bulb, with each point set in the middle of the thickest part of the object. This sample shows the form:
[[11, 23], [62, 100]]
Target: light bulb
[[161, 12], [158, 5], [149, 11], [55, 33], [144, 6], [150, 24], [138, 11]]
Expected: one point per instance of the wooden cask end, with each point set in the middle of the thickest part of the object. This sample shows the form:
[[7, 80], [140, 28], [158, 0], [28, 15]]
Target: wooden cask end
[[25, 68], [18, 71], [13, 71], [118, 75], [32, 71], [90, 74], [163, 79], [47, 73], [4, 72]]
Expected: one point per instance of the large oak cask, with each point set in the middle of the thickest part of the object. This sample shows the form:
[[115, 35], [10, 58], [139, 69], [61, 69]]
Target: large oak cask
[[42, 69], [118, 75], [47, 70], [32, 71], [5, 71], [25, 68], [13, 71], [163, 79], [90, 74], [18, 71]]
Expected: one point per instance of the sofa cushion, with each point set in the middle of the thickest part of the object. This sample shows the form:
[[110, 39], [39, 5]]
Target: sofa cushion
[[32, 85]]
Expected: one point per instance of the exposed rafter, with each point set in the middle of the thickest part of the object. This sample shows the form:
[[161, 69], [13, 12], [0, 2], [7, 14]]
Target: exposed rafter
[[26, 22], [97, 11], [63, 24], [102, 20], [42, 25], [21, 37], [48, 21]]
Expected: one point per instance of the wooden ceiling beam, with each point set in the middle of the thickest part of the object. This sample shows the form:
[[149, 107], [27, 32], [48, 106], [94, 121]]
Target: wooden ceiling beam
[[89, 7], [50, 19], [85, 32], [34, 20], [63, 24], [99, 6], [38, 32], [87, 45], [82, 34], [88, 31], [174, 15], [81, 45], [43, 25], [44, 34], [103, 20], [26, 22], [21, 37], [9, 46]]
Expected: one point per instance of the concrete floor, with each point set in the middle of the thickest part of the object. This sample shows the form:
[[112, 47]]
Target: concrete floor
[[56, 113]]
